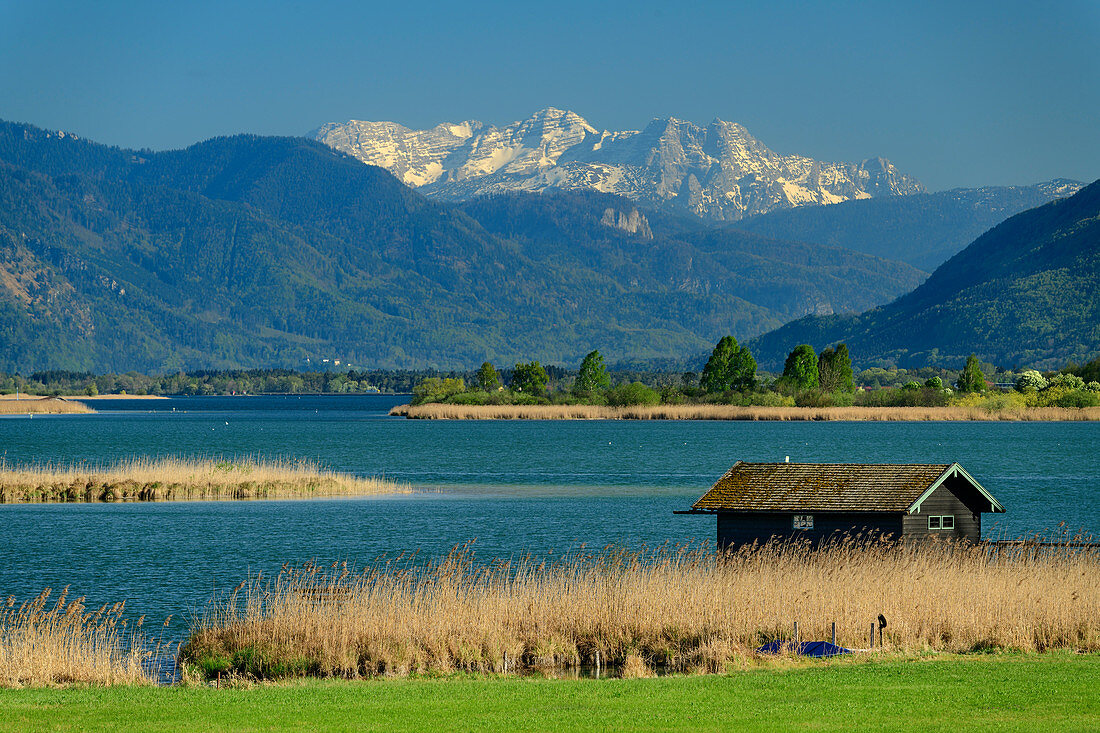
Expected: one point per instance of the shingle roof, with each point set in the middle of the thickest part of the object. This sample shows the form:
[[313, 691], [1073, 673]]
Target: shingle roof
[[823, 487]]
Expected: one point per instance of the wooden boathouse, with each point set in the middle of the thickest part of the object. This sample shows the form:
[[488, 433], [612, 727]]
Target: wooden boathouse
[[757, 502]]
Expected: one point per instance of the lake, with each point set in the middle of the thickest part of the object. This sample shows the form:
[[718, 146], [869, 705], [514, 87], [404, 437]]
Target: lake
[[542, 487]]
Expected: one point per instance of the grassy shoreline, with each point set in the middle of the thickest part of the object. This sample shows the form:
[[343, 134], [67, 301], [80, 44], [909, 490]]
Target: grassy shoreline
[[180, 479], [987, 692], [443, 411]]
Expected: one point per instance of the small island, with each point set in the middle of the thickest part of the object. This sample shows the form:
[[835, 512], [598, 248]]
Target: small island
[[812, 386]]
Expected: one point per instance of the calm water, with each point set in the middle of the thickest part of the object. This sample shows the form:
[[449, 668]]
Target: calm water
[[516, 487]]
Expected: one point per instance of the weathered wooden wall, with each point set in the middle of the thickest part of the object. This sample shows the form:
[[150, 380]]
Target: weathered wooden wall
[[968, 521], [735, 529]]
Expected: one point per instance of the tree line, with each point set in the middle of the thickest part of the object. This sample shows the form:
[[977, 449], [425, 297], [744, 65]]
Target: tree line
[[730, 376]]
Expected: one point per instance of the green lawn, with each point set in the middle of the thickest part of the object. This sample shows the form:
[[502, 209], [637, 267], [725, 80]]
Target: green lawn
[[1009, 692]]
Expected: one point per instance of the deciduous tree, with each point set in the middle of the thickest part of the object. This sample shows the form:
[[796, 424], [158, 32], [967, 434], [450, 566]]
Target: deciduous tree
[[972, 379], [487, 378], [834, 370], [593, 375], [729, 367], [800, 369], [529, 378]]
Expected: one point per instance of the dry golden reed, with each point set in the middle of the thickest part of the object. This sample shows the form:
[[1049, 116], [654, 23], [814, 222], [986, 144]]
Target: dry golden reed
[[679, 610], [41, 405], [43, 643], [153, 479]]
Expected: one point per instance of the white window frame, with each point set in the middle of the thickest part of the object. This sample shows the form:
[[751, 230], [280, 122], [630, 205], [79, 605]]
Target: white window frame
[[934, 522]]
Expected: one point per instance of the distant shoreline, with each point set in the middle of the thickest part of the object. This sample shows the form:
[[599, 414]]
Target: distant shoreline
[[85, 398], [440, 411], [80, 397]]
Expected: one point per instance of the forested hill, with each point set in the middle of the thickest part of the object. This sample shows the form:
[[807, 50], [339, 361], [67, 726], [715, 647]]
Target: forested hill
[[1026, 293], [256, 251], [923, 229]]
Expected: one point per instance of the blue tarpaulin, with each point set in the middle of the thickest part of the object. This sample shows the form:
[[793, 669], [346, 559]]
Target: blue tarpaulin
[[805, 648]]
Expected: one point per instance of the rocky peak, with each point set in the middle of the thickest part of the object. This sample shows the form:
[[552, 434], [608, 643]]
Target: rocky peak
[[719, 171]]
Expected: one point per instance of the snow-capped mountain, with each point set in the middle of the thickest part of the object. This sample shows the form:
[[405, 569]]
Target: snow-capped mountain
[[719, 171]]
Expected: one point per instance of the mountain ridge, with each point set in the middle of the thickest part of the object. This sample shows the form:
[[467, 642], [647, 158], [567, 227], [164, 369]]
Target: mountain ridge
[[718, 171], [923, 229], [258, 251], [1025, 293]]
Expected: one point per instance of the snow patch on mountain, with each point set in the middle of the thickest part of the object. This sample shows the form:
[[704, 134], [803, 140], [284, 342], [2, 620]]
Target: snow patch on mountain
[[718, 171]]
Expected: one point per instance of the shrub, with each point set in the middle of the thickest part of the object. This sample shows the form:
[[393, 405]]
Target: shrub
[[672, 396], [434, 389], [1071, 398], [769, 399], [1066, 382], [934, 383], [911, 386], [469, 398], [817, 398], [516, 398], [634, 393], [903, 398]]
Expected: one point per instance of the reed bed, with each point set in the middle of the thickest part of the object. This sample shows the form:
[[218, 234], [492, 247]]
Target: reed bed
[[674, 609], [43, 643], [440, 411], [41, 405], [155, 479]]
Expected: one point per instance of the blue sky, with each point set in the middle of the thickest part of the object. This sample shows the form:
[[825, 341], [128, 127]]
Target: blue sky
[[958, 94]]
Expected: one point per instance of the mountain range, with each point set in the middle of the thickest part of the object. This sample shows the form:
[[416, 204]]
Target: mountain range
[[260, 251], [1025, 293], [252, 251], [718, 171]]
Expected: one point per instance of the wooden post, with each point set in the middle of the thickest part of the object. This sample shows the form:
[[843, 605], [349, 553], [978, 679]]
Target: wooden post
[[834, 633], [872, 634], [796, 633]]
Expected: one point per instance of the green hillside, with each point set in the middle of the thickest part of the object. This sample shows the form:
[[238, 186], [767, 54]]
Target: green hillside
[[256, 251], [680, 253], [1026, 293], [922, 229]]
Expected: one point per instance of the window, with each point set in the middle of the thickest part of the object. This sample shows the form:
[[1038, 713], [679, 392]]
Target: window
[[942, 522], [803, 521], [933, 523]]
